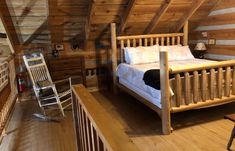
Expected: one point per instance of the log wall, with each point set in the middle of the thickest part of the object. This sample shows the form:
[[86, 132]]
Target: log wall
[[219, 25]]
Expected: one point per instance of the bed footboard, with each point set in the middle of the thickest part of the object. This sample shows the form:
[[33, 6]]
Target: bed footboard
[[203, 85], [195, 87]]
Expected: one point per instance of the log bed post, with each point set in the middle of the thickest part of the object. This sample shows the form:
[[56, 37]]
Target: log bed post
[[165, 96], [185, 41], [114, 54]]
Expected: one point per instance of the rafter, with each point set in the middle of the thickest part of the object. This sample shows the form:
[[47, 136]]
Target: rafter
[[194, 6], [36, 32], [8, 23], [159, 14], [89, 17], [126, 15]]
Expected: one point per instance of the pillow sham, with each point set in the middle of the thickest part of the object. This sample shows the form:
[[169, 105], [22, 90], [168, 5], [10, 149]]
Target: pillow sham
[[183, 53], [138, 55], [177, 52], [170, 50]]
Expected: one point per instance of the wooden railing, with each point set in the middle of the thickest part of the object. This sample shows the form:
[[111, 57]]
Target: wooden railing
[[95, 129], [8, 91]]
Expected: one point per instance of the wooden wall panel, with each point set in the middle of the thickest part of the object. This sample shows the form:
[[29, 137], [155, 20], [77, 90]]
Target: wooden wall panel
[[219, 25]]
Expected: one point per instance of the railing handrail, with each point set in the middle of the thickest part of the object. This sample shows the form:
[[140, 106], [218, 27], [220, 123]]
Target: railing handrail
[[109, 130]]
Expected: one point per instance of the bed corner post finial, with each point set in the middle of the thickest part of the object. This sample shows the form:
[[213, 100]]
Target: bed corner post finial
[[165, 92], [185, 42], [114, 53]]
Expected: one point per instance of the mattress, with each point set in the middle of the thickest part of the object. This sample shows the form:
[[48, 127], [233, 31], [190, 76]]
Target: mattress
[[131, 76]]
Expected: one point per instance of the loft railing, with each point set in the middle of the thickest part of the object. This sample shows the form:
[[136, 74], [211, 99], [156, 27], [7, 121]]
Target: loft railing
[[8, 91], [3, 75], [95, 129]]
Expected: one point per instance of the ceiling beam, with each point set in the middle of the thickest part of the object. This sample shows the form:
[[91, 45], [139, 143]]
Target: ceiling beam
[[159, 14], [36, 32], [89, 17], [194, 6], [126, 15], [8, 22]]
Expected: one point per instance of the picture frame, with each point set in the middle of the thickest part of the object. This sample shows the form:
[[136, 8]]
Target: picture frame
[[211, 41], [59, 47]]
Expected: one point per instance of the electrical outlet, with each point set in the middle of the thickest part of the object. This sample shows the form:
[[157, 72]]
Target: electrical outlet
[[211, 41]]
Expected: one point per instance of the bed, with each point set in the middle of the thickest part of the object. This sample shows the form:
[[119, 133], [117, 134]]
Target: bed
[[196, 83]]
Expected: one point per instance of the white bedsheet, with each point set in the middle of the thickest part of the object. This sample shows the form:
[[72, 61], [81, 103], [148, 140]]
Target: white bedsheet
[[132, 76]]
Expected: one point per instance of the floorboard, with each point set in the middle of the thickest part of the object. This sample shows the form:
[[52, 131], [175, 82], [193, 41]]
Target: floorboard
[[27, 133], [199, 130]]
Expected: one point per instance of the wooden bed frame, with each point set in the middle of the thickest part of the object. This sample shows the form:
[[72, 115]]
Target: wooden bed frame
[[201, 86]]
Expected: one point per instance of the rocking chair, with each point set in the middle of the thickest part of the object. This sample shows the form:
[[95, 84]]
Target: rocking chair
[[50, 95]]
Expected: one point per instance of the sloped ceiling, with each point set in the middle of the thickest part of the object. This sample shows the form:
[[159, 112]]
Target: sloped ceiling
[[52, 21]]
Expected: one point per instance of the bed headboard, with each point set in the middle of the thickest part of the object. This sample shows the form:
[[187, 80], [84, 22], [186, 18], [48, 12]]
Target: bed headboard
[[119, 42]]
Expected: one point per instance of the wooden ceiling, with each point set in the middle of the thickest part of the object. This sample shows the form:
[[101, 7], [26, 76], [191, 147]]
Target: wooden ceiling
[[55, 21]]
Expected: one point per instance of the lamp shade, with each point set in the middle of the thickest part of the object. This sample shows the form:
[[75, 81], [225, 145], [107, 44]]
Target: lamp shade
[[200, 46]]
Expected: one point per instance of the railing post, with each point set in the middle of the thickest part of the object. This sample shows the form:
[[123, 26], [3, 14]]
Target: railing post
[[186, 33], [114, 54], [165, 96]]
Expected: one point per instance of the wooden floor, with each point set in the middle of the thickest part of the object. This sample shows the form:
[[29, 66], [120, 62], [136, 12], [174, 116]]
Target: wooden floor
[[203, 129], [27, 133]]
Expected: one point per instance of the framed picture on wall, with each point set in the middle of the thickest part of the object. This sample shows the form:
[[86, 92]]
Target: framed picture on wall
[[59, 47]]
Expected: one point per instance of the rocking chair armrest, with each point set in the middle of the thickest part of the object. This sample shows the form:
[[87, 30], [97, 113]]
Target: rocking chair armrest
[[46, 87], [60, 81]]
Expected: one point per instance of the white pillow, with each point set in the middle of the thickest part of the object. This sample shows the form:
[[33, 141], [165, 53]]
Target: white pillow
[[170, 50], [177, 52], [183, 53], [138, 55]]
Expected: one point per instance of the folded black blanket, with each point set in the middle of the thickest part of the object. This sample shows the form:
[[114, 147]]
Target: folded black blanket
[[152, 78]]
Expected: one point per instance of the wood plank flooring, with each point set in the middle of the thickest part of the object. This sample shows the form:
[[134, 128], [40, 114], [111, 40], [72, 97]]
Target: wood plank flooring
[[27, 133], [199, 130]]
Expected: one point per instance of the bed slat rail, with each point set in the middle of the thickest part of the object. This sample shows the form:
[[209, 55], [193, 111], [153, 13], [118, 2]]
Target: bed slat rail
[[201, 85]]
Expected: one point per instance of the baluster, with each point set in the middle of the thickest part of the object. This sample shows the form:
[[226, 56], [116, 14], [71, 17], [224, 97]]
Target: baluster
[[187, 87], [92, 137], [157, 41], [162, 41], [84, 130], [195, 87], [140, 42], [204, 85], [227, 81], [134, 43], [178, 89], [168, 41], [178, 40], [128, 43], [81, 127], [145, 42], [220, 79], [97, 141], [173, 41], [88, 133], [122, 49], [151, 41], [212, 84]]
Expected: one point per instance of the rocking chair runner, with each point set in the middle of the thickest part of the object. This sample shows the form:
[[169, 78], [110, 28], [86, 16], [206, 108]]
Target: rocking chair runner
[[48, 93]]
